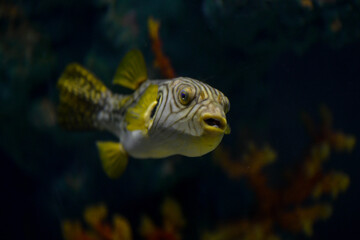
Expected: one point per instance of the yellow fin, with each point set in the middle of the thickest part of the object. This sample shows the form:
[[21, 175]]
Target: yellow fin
[[227, 129], [138, 117], [113, 157], [81, 97], [131, 71]]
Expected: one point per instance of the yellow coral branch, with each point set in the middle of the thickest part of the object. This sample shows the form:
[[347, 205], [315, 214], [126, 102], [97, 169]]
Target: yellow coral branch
[[250, 163], [333, 183], [303, 218], [95, 216]]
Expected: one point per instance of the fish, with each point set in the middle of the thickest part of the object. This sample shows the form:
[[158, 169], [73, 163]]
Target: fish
[[161, 118]]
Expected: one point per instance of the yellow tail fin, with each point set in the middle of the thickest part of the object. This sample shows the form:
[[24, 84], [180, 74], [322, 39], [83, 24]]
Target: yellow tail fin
[[82, 95]]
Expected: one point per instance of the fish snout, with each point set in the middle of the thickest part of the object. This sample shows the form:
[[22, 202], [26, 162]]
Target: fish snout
[[214, 123]]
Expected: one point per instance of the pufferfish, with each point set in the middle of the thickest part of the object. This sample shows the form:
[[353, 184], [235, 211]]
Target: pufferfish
[[161, 118]]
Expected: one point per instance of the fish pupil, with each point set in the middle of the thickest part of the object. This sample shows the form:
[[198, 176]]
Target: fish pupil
[[184, 95]]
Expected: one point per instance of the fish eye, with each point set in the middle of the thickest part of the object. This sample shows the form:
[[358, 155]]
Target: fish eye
[[186, 96]]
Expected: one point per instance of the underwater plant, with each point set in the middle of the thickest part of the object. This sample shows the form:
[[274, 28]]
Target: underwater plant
[[173, 223], [298, 205], [97, 226]]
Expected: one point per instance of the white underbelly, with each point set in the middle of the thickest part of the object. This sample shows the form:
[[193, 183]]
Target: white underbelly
[[139, 145]]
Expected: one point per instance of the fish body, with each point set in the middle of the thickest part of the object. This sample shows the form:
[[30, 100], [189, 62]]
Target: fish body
[[161, 118]]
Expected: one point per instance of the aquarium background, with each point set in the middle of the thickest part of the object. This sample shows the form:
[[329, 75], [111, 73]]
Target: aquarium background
[[280, 62]]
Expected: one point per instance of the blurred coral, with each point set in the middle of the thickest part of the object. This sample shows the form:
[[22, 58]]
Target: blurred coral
[[243, 230], [173, 222], [251, 162], [120, 229], [284, 207], [95, 217], [307, 4], [332, 183], [161, 60], [302, 219]]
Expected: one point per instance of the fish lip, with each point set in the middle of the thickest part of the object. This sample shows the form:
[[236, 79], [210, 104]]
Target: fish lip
[[213, 123]]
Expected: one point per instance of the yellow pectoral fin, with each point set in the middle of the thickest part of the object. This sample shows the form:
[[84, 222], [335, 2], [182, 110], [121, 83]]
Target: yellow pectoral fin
[[131, 71], [138, 117], [113, 158]]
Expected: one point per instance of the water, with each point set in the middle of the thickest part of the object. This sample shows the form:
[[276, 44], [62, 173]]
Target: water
[[275, 60]]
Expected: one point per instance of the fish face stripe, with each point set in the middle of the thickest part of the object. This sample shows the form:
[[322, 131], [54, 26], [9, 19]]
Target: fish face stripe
[[161, 133], [168, 116], [192, 123], [192, 119], [191, 113], [193, 128], [183, 117], [208, 93], [176, 103], [196, 92], [162, 106], [173, 91], [165, 108], [211, 91]]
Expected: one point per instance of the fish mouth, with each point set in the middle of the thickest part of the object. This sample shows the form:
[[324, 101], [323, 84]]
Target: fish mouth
[[213, 123]]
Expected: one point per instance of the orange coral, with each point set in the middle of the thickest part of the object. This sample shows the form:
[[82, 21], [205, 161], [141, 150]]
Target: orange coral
[[99, 229], [333, 183], [302, 219], [161, 60], [173, 222], [243, 229], [307, 4], [95, 216], [249, 164], [72, 230], [282, 207]]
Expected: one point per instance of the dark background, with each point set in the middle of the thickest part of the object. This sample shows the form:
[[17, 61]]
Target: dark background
[[273, 59]]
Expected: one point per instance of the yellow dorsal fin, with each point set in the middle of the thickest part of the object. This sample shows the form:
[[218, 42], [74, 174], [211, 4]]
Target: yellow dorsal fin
[[113, 158], [131, 71], [138, 117]]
